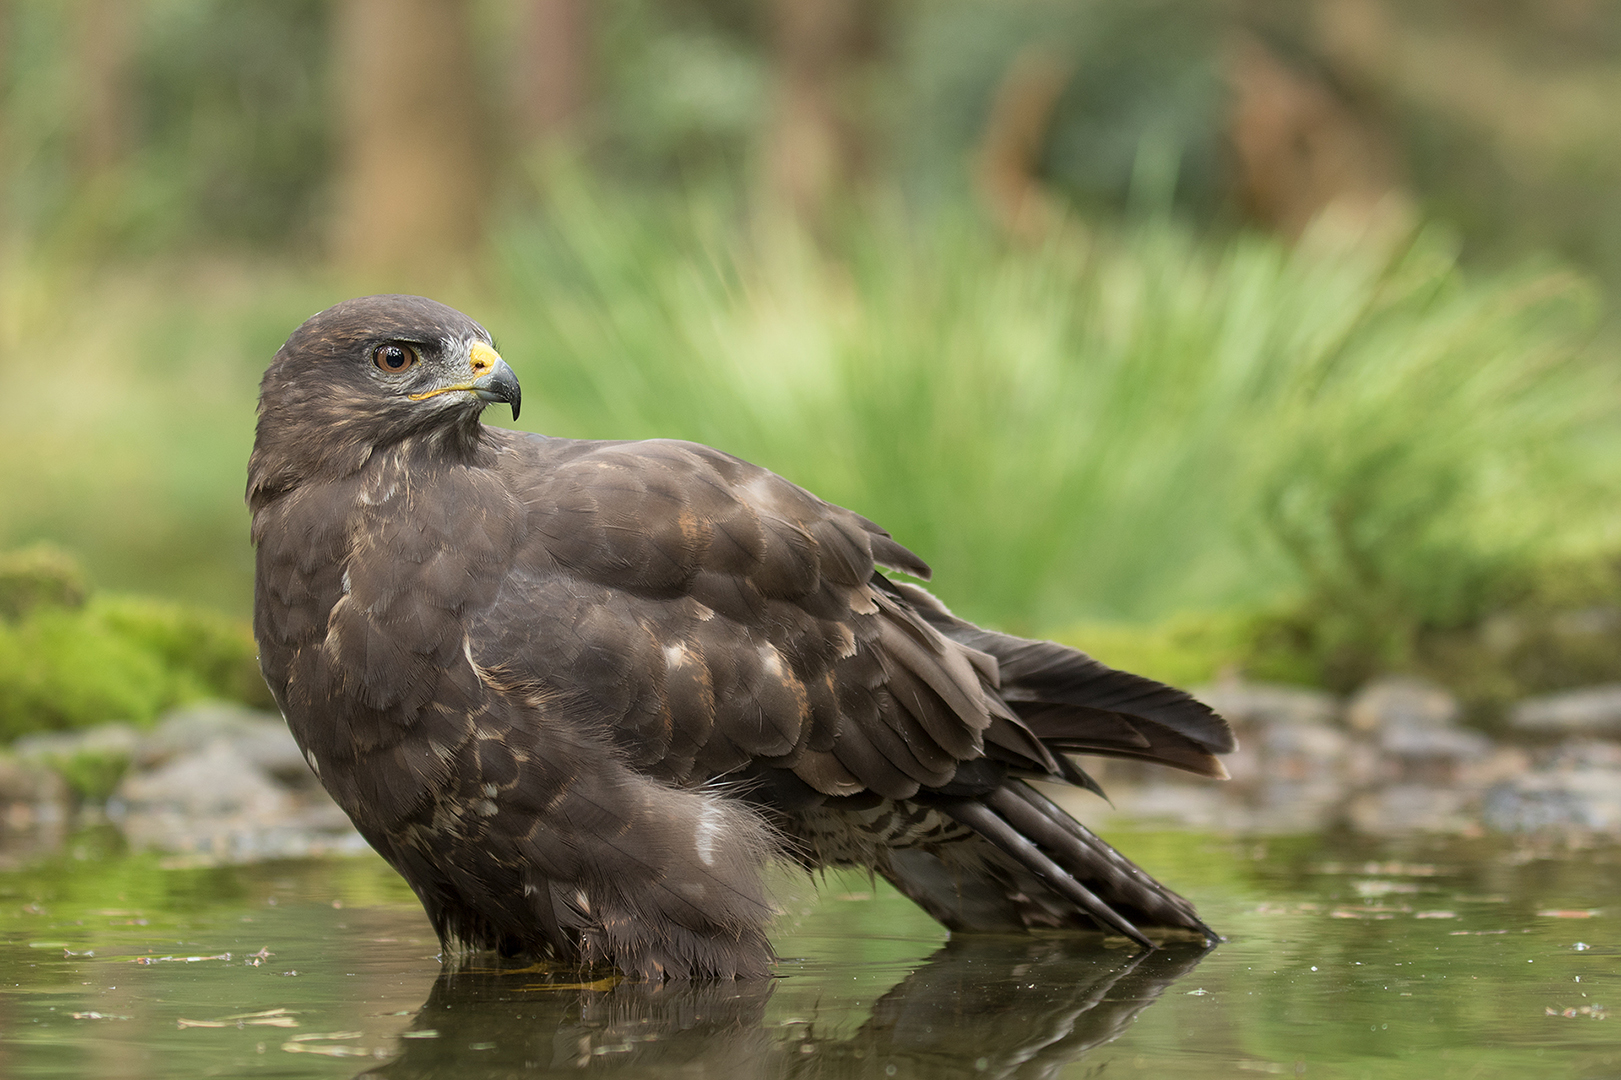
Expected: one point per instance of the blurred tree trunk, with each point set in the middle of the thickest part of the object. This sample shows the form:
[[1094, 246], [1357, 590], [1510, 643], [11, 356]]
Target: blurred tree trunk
[[7, 154], [103, 47], [1304, 152], [413, 166], [555, 69], [813, 148], [1007, 162]]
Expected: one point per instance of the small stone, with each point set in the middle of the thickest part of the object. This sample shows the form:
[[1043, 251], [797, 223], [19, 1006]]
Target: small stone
[[1302, 752], [1401, 702], [1576, 754], [1586, 800], [1435, 743], [215, 781], [191, 727], [1595, 710], [29, 795], [1288, 772], [261, 738], [1501, 764], [20, 782], [57, 745]]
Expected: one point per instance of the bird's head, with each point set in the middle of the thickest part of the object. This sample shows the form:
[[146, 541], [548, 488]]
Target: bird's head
[[369, 373]]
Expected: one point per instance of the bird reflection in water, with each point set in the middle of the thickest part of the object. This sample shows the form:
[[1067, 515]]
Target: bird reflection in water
[[985, 1007]]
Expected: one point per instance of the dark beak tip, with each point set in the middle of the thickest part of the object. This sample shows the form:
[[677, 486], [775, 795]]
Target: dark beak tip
[[501, 384], [511, 392]]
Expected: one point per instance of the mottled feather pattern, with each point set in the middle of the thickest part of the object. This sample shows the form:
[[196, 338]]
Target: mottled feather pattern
[[581, 694]]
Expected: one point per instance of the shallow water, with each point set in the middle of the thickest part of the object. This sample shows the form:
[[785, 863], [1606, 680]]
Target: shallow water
[[1344, 958]]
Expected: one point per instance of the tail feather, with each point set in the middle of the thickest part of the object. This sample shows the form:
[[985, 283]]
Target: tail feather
[[1056, 681], [1128, 885], [988, 823], [1074, 703], [1030, 865]]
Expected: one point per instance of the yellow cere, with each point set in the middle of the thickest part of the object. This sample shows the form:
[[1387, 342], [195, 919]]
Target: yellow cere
[[481, 358]]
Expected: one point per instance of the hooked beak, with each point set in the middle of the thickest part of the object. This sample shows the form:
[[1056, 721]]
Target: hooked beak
[[495, 381], [492, 379]]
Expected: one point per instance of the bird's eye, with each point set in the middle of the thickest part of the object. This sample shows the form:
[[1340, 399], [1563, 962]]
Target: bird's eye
[[393, 357]]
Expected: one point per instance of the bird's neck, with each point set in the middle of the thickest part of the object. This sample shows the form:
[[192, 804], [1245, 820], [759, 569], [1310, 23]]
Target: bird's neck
[[279, 466]]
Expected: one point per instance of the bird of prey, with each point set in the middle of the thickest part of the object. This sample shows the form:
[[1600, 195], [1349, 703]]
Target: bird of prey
[[581, 694]]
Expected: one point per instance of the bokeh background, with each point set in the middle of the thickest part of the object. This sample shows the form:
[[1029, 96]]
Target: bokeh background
[[1269, 337]]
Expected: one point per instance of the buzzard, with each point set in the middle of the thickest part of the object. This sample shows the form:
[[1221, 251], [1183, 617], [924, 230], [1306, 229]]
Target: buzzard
[[580, 694]]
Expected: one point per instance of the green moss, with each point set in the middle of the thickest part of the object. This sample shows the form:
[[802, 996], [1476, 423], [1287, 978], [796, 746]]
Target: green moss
[[214, 651], [39, 576], [67, 662], [93, 776]]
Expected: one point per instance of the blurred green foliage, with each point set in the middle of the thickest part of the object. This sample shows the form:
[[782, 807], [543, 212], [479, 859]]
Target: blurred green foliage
[[684, 89], [227, 130], [1500, 112]]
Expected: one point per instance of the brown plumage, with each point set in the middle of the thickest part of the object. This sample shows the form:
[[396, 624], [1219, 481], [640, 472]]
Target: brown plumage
[[580, 694]]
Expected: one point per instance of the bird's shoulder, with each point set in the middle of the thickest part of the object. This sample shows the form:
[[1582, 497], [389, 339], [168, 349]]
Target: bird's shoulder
[[665, 517]]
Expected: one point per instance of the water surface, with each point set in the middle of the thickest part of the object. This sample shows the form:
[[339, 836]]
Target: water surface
[[1344, 958]]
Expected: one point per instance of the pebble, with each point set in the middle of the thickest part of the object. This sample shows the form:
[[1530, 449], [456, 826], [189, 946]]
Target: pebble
[[106, 740], [1401, 703], [1595, 710]]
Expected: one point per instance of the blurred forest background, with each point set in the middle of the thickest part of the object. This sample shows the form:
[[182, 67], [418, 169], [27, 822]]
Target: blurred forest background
[[1260, 336]]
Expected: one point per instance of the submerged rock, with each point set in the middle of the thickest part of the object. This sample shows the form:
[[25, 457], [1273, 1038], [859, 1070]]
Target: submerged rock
[[90, 762], [1576, 785], [222, 783], [219, 803], [31, 797]]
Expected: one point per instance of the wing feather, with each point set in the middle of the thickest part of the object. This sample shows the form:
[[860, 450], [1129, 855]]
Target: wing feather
[[708, 612]]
